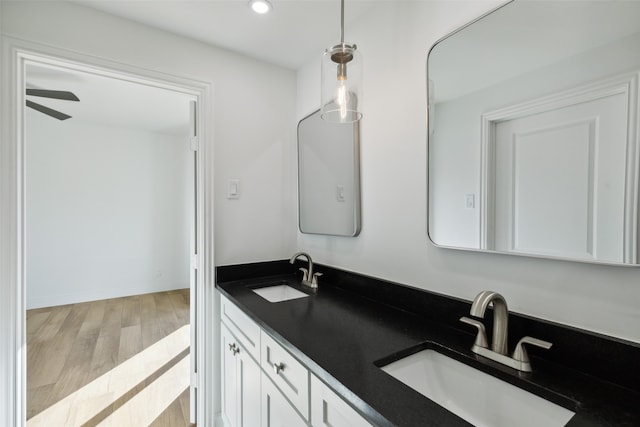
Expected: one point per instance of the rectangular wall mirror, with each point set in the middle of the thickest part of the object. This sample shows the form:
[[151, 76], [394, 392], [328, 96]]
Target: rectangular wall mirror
[[533, 132], [328, 177]]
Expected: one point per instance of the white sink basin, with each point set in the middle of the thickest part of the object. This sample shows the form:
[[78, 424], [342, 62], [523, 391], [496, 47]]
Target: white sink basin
[[474, 396], [279, 293]]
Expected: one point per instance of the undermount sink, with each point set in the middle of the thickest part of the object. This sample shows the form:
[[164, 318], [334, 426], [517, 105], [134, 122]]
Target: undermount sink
[[474, 396], [279, 292]]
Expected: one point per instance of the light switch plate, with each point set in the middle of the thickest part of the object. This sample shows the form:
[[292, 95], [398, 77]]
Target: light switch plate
[[470, 201], [233, 189]]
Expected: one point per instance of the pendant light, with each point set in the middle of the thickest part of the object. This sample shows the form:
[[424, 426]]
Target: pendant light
[[341, 89]]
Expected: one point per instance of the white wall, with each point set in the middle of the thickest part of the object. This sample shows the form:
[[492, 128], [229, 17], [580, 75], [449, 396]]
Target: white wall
[[107, 211], [394, 40], [253, 115]]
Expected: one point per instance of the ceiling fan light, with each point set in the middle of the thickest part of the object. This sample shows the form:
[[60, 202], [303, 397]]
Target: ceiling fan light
[[260, 6]]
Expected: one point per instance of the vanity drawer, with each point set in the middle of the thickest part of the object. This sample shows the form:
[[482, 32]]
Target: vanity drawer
[[241, 326], [328, 409], [291, 376]]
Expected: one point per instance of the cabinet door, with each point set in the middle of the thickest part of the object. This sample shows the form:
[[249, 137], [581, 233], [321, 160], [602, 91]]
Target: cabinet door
[[240, 384], [249, 380], [329, 410], [229, 378], [276, 409]]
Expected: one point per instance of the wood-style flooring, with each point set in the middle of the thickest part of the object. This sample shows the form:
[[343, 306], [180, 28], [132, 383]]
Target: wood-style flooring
[[70, 346]]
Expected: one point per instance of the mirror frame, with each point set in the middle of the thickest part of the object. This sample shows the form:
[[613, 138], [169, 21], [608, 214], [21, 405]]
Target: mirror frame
[[356, 214], [430, 114]]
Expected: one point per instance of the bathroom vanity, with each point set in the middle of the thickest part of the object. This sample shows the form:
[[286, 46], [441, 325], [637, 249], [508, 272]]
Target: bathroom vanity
[[263, 384], [321, 359]]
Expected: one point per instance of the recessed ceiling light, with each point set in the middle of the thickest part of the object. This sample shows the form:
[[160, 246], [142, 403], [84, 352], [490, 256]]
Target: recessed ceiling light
[[260, 6]]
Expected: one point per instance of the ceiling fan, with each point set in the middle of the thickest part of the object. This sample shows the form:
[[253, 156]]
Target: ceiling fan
[[54, 94]]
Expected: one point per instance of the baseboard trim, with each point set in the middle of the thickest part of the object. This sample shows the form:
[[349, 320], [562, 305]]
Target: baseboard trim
[[96, 295]]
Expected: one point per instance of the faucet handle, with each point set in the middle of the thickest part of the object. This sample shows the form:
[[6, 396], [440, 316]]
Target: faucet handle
[[481, 338], [305, 273], [520, 353], [314, 280]]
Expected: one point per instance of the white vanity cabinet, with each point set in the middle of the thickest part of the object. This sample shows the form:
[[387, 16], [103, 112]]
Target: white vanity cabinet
[[263, 385]]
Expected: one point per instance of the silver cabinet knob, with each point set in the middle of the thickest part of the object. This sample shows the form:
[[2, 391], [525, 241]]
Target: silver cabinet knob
[[234, 348], [278, 367]]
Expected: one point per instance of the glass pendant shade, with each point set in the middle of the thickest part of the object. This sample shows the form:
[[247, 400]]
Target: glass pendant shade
[[341, 89]]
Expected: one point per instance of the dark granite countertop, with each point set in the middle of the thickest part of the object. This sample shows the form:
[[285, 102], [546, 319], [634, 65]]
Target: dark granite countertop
[[341, 335]]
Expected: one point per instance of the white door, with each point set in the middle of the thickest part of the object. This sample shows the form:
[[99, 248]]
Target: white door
[[193, 271], [557, 192]]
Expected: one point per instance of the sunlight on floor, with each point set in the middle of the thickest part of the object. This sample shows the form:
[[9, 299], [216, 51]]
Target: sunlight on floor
[[139, 408]]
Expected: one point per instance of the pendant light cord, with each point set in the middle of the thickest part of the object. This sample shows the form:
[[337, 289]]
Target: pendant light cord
[[342, 22]]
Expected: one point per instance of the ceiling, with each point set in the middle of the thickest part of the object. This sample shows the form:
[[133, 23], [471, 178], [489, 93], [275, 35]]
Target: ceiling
[[294, 32]]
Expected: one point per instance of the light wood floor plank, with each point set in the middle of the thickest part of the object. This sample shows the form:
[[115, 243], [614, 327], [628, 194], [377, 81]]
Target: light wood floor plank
[[185, 405], [53, 324], [150, 329], [51, 357], [180, 301], [112, 320], [172, 416], [105, 355], [73, 322], [131, 311], [95, 316], [166, 315], [77, 370], [39, 398], [130, 342], [36, 321]]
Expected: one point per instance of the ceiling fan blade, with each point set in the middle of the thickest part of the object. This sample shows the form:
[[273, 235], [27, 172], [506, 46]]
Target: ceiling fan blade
[[55, 94], [48, 111]]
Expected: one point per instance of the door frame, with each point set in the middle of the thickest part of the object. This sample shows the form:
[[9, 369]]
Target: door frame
[[627, 84], [16, 54]]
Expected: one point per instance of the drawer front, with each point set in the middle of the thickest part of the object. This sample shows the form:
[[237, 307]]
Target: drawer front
[[246, 331], [291, 377], [328, 409]]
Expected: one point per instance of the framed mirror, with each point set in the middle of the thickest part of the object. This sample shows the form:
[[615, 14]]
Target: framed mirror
[[328, 177], [534, 132]]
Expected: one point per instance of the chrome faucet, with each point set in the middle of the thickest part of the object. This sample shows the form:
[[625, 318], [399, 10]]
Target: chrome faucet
[[500, 317], [499, 343], [309, 278]]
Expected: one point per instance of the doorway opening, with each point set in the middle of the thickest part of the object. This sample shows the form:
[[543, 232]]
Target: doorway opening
[[200, 252], [109, 186]]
